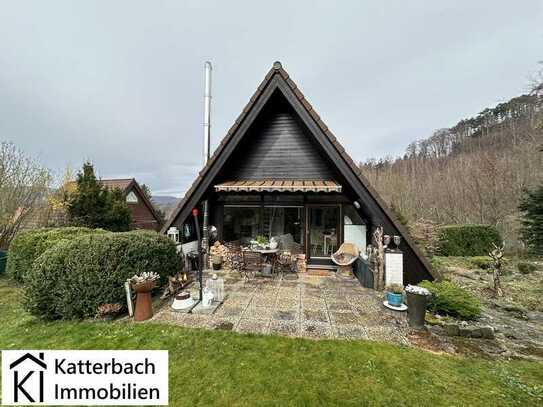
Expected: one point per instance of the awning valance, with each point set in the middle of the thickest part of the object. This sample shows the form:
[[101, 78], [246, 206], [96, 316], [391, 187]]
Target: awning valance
[[279, 186]]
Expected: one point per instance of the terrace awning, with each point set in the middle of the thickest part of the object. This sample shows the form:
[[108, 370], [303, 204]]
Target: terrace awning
[[279, 186]]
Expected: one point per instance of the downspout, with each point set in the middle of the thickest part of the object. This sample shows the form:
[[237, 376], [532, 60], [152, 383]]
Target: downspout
[[207, 142]]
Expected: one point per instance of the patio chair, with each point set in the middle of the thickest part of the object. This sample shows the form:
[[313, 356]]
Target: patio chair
[[252, 263]]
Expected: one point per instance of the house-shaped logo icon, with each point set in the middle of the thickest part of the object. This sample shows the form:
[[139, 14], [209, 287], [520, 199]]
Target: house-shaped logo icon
[[33, 391]]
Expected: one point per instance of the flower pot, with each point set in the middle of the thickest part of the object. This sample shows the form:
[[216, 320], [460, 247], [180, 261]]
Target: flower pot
[[216, 266], [267, 269], [394, 299], [144, 306], [146, 286], [416, 310]]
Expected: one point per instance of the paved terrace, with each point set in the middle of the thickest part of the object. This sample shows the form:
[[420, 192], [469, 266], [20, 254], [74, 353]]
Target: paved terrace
[[316, 307]]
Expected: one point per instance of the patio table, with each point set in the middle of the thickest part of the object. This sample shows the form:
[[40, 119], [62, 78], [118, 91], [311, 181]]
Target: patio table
[[270, 256]]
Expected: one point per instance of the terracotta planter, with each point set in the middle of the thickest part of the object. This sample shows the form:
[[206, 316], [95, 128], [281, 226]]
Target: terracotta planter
[[144, 287], [144, 302]]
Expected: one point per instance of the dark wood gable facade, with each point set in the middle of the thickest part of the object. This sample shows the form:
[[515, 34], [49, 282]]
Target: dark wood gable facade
[[280, 172]]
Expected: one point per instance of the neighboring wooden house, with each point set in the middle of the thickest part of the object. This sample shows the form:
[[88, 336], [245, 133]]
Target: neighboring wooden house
[[144, 214], [279, 171]]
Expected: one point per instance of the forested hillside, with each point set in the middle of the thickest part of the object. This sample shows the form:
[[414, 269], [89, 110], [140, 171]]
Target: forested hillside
[[473, 172]]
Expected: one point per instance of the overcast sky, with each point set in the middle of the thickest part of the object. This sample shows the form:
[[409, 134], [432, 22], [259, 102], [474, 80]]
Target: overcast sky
[[121, 82]]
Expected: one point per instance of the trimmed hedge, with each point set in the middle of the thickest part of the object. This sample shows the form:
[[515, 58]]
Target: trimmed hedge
[[450, 299], [467, 240], [29, 245], [71, 279]]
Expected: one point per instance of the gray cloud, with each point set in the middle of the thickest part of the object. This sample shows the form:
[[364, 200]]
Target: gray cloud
[[120, 83]]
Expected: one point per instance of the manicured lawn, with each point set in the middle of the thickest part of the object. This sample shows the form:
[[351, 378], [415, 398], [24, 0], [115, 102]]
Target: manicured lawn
[[224, 368]]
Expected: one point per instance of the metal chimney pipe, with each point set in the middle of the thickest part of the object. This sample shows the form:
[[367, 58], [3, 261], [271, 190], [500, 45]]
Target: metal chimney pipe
[[207, 143], [207, 111]]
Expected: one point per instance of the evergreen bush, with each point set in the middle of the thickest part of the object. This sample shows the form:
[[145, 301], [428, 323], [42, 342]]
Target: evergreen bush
[[29, 245], [526, 268], [95, 206], [73, 278], [467, 240], [531, 207], [450, 299]]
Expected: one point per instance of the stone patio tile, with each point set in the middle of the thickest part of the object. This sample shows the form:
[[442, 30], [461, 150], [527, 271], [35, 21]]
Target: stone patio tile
[[261, 301], [316, 330], [315, 316], [229, 311], [294, 307], [283, 302], [344, 318], [318, 305], [350, 332], [288, 293], [237, 302], [253, 326], [285, 328], [339, 307], [312, 297], [260, 313], [311, 289], [289, 283], [281, 315]]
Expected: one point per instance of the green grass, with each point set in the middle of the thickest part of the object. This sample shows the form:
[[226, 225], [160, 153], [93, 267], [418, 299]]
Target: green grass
[[225, 368]]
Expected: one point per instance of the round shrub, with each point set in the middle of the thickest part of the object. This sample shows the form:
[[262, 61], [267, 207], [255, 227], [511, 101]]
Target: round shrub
[[450, 299], [73, 278], [29, 245], [526, 268], [467, 240]]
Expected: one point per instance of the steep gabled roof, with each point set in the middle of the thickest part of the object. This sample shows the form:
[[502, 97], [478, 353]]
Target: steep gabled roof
[[126, 185], [278, 79]]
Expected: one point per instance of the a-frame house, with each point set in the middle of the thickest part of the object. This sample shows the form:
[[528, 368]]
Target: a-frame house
[[279, 171]]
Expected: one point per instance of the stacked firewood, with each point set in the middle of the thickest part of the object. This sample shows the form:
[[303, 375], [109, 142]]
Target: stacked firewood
[[300, 263]]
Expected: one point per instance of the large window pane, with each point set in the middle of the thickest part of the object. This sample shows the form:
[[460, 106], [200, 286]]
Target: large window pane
[[284, 223], [354, 228], [241, 223]]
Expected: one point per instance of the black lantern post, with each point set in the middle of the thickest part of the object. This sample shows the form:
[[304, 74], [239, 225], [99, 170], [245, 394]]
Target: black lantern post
[[200, 251]]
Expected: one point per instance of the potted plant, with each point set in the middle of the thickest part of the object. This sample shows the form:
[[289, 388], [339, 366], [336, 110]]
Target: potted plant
[[143, 284], [394, 295], [261, 242], [216, 261]]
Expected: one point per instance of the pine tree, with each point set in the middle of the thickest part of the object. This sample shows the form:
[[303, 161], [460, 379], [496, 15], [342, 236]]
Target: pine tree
[[531, 207], [94, 206]]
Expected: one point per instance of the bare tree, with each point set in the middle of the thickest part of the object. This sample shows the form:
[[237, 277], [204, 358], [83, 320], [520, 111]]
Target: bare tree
[[23, 184]]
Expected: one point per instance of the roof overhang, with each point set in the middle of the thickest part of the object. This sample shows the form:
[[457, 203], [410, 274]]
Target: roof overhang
[[278, 186]]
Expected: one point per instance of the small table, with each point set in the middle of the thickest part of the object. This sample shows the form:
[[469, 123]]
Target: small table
[[270, 255]]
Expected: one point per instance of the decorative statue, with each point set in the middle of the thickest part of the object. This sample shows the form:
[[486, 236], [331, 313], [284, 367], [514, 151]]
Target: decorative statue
[[377, 258], [496, 256]]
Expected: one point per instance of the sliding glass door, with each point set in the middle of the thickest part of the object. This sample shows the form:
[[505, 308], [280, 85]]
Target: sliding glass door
[[323, 230]]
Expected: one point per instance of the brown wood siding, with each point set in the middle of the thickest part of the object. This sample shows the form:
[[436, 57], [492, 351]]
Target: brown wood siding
[[277, 147], [142, 217]]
